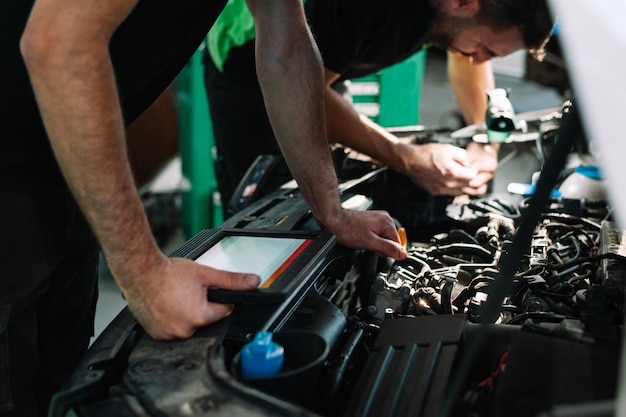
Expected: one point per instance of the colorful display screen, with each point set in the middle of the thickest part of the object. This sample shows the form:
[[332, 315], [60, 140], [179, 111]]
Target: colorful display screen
[[265, 256]]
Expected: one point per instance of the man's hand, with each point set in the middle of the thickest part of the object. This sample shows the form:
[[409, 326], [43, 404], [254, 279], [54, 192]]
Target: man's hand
[[170, 298], [443, 169], [484, 158], [369, 230], [440, 169]]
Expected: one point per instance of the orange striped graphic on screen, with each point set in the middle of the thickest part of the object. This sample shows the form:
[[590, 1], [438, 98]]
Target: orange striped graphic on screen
[[285, 264]]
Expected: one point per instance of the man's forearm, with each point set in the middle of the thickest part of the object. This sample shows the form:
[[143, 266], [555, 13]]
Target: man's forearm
[[290, 73], [469, 84], [356, 131], [76, 91], [289, 68]]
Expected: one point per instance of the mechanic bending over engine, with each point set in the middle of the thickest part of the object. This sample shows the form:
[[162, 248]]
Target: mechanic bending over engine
[[358, 38], [73, 75]]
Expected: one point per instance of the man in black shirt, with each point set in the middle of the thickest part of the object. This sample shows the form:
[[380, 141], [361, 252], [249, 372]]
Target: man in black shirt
[[358, 38], [74, 74]]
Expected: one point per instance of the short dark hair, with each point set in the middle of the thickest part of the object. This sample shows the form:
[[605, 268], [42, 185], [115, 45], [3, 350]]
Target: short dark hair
[[532, 17]]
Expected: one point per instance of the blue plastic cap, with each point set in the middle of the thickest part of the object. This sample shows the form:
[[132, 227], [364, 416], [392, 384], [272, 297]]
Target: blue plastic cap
[[262, 357]]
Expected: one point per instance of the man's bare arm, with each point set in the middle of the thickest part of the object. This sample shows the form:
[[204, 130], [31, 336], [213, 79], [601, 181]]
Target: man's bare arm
[[65, 46], [290, 74], [440, 169], [469, 84]]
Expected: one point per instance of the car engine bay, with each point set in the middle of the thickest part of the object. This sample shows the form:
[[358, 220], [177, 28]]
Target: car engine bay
[[507, 305]]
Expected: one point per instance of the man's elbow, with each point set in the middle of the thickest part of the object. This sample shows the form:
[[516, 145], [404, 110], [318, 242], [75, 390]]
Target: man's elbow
[[36, 47], [46, 46]]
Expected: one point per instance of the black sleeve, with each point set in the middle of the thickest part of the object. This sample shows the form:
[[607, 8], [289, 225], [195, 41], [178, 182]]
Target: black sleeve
[[360, 37], [341, 29]]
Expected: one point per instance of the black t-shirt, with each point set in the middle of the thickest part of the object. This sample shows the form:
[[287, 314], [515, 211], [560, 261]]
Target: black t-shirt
[[361, 37], [148, 50]]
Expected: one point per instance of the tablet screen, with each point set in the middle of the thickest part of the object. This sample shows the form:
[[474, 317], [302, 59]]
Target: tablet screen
[[265, 256]]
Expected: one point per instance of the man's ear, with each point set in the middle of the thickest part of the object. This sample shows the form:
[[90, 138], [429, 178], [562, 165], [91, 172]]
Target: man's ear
[[464, 8]]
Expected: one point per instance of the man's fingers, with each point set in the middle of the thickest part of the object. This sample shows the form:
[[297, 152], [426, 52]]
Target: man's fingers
[[230, 280], [481, 179], [462, 173], [386, 247], [217, 311]]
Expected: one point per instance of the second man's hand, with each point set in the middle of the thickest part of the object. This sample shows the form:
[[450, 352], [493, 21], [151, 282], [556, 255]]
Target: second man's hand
[[444, 169], [484, 158]]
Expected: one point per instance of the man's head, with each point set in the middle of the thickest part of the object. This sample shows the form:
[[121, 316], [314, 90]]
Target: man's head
[[482, 29]]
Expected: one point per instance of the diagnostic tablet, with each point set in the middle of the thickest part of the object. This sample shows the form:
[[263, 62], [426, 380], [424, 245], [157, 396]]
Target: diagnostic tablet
[[284, 260]]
